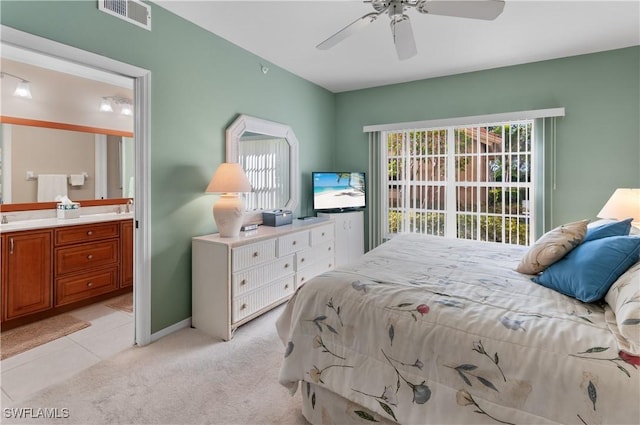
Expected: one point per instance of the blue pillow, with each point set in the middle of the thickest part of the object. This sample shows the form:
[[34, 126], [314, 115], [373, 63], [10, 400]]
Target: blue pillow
[[588, 271], [617, 228]]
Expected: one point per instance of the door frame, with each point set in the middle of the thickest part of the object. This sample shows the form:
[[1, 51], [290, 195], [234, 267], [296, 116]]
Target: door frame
[[142, 135]]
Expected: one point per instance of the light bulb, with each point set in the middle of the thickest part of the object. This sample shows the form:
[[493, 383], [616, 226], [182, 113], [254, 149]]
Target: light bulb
[[23, 90], [105, 105]]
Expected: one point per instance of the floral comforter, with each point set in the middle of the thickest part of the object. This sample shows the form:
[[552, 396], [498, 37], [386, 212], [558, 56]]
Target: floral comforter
[[431, 330]]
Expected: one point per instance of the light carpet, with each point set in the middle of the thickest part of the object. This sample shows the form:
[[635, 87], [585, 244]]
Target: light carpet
[[184, 378], [23, 338]]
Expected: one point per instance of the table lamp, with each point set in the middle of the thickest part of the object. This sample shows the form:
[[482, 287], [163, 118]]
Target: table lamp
[[229, 180], [624, 203]]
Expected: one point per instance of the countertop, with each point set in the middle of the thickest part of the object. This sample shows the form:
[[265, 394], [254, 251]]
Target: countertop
[[58, 222]]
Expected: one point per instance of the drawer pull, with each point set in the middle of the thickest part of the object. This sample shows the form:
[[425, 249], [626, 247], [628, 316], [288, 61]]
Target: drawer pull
[[302, 260], [89, 284], [243, 306], [255, 254], [286, 266], [243, 282], [302, 279], [329, 248], [90, 257], [286, 286], [322, 233], [90, 232], [295, 242]]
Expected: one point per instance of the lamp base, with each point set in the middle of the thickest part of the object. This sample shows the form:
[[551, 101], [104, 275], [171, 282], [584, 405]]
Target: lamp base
[[227, 213]]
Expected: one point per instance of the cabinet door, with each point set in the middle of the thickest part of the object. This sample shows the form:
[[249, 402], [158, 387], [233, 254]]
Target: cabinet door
[[126, 257], [349, 236], [27, 284]]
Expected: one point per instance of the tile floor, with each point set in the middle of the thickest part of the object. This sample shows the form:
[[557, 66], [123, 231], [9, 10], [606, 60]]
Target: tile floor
[[111, 331]]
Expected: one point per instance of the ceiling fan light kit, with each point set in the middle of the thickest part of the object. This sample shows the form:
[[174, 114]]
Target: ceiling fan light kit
[[401, 26]]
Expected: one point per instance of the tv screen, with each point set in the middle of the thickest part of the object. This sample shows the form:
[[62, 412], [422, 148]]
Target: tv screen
[[338, 191]]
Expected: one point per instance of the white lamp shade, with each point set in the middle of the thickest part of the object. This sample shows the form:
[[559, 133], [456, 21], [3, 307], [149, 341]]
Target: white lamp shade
[[624, 203], [228, 178]]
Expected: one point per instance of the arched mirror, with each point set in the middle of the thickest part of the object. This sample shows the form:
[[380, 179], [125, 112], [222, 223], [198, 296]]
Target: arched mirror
[[268, 152]]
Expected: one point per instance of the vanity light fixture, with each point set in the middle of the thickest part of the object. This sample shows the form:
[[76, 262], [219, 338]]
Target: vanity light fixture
[[23, 89], [125, 105]]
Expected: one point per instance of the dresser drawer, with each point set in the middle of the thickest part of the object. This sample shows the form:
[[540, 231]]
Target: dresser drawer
[[309, 272], [251, 302], [252, 255], [86, 285], [87, 233], [322, 234], [84, 256], [293, 243], [313, 254], [250, 279]]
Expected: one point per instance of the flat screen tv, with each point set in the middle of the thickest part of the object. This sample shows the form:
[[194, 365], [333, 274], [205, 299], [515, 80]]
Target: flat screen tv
[[338, 191]]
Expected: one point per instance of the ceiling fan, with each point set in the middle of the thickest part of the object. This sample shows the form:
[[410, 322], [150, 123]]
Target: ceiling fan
[[401, 27]]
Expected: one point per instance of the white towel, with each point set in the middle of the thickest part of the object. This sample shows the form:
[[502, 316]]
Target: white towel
[[50, 186], [76, 179]]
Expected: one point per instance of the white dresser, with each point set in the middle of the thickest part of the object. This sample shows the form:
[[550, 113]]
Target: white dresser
[[237, 279]]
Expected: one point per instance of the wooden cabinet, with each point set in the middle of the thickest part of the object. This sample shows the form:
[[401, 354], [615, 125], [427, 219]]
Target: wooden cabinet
[[52, 270], [349, 238], [126, 254], [86, 261], [237, 279], [27, 273]]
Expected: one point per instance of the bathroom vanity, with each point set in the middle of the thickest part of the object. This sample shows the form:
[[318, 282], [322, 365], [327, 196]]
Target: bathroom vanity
[[53, 265]]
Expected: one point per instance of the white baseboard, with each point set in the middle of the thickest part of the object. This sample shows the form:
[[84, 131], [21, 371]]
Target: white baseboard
[[186, 323]]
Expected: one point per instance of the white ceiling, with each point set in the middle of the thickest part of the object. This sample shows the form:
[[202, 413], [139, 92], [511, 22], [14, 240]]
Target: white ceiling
[[285, 33]]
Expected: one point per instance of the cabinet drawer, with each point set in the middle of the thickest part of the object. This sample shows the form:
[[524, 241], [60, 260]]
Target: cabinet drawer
[[293, 243], [252, 255], [81, 257], [322, 234], [86, 285], [250, 279], [87, 233], [309, 272], [254, 301], [313, 254]]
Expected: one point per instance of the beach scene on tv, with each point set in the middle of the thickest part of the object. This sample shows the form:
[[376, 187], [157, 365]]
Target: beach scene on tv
[[338, 191]]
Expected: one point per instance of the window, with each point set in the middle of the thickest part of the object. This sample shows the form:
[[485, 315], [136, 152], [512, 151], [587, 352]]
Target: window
[[468, 182]]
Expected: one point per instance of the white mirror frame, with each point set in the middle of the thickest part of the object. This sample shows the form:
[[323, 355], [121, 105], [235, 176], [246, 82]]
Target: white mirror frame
[[246, 123]]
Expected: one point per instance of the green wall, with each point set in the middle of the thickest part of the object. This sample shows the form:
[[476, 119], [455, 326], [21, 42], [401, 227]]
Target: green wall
[[199, 84], [598, 141]]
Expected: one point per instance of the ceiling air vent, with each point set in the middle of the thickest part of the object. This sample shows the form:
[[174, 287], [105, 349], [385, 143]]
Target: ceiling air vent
[[133, 11]]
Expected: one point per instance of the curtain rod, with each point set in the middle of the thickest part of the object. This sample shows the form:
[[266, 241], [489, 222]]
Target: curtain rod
[[470, 120]]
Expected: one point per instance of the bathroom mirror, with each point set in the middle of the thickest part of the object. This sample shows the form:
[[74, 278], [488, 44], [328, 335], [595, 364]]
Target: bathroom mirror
[[268, 152], [63, 129]]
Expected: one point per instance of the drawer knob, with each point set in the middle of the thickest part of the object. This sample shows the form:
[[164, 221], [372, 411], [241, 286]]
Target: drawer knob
[[90, 232], [329, 248], [302, 260], [295, 242], [286, 286], [255, 254], [243, 306], [322, 233], [243, 282], [89, 284], [90, 256], [286, 266], [302, 279]]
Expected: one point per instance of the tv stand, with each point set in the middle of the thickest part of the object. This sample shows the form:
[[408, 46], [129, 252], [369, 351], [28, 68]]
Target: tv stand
[[349, 237]]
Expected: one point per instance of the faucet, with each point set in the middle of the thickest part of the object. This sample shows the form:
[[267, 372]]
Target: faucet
[[5, 220], [129, 205]]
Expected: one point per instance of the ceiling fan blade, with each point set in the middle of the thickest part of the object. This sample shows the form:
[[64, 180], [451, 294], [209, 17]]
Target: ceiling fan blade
[[350, 29], [474, 9], [403, 37]]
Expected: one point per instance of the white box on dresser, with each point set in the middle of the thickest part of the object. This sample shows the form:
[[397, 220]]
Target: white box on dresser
[[237, 279]]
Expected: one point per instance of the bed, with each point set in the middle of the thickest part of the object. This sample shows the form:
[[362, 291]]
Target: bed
[[428, 330]]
